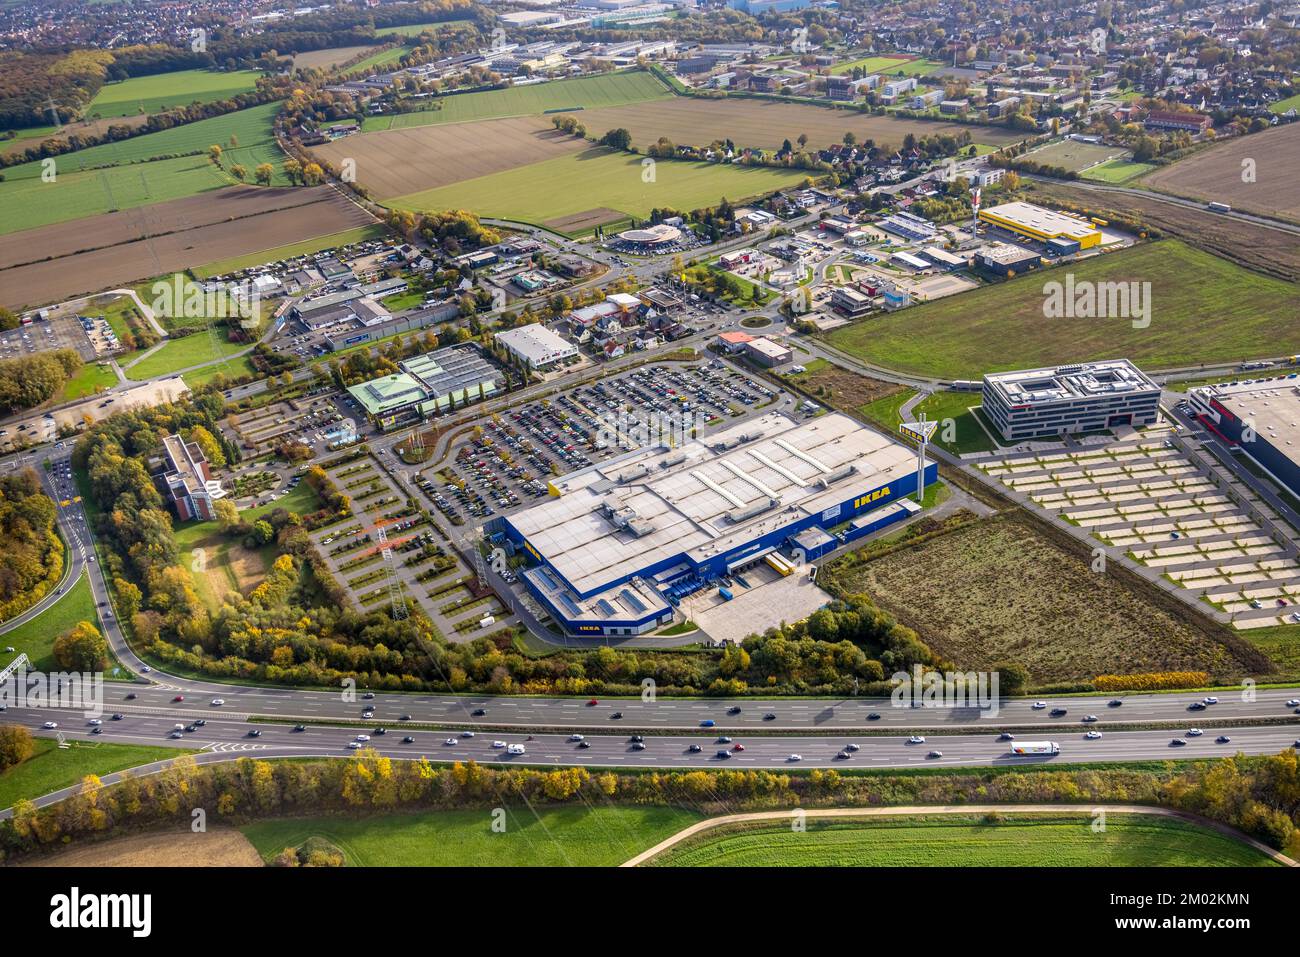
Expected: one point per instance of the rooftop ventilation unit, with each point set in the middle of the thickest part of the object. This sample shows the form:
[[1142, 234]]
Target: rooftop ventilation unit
[[844, 471], [738, 515]]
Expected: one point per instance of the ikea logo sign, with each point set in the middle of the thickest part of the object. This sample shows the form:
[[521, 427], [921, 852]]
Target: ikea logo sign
[[589, 628], [868, 499], [532, 551]]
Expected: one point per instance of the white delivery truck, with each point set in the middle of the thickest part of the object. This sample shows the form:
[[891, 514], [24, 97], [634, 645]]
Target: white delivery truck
[[1035, 747]]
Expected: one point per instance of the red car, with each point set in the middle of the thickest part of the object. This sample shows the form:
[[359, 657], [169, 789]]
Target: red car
[[738, 747], [179, 697], [592, 703]]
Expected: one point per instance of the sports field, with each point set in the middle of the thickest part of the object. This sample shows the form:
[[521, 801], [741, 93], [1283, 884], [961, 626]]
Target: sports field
[[598, 177], [1202, 309], [1073, 155], [889, 65], [610, 89], [1117, 171], [153, 94], [545, 837], [765, 123], [973, 841]]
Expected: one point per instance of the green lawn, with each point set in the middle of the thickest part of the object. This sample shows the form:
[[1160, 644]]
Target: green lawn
[[1117, 171], [301, 500], [199, 347], [889, 66], [36, 637], [154, 168], [231, 368], [1282, 106], [1282, 645], [1202, 309], [152, 94], [376, 60], [546, 837], [610, 89], [599, 177], [89, 379], [1015, 841], [277, 253], [958, 429], [52, 768]]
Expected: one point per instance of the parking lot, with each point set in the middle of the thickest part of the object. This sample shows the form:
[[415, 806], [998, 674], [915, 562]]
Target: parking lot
[[314, 420], [1145, 496], [64, 332]]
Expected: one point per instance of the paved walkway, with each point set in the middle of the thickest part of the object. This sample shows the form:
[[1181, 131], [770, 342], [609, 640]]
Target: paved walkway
[[916, 810]]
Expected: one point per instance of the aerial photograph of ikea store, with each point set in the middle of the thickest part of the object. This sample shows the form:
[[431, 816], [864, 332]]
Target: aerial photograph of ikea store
[[619, 544]]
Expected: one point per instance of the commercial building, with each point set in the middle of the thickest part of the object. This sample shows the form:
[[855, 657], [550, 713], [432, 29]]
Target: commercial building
[[428, 384], [1259, 418], [651, 237], [1088, 397], [909, 226], [849, 302], [1042, 225], [1189, 122], [733, 342], [622, 541], [535, 347], [767, 352], [186, 480], [355, 332], [1008, 260]]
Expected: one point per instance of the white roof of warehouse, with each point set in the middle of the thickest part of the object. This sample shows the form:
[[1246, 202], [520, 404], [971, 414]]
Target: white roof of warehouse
[[535, 342], [680, 499]]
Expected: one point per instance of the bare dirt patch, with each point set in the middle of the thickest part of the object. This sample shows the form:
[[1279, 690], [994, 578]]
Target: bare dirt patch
[[589, 219], [398, 162], [327, 59], [1215, 174], [216, 226], [848, 390], [216, 848], [764, 123]]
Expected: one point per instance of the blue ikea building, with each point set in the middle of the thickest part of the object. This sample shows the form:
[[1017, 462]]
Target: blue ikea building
[[620, 544]]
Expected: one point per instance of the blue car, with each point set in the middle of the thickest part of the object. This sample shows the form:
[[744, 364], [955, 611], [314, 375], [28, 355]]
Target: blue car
[[706, 723]]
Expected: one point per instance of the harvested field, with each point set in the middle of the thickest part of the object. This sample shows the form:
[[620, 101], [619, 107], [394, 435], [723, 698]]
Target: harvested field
[[1000, 590], [765, 123], [402, 161], [589, 219], [1270, 251], [1215, 174], [216, 848], [326, 59], [183, 232]]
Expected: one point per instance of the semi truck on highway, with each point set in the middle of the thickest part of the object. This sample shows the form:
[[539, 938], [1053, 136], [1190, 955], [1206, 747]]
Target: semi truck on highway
[[1035, 747]]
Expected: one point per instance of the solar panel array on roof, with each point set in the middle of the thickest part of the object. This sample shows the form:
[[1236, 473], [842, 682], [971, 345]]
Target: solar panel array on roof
[[569, 604], [548, 578], [606, 607], [632, 601]]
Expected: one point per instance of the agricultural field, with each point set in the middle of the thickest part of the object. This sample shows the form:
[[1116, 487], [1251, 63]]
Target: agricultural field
[[998, 590], [1215, 174], [545, 837], [553, 189], [1117, 172], [383, 58], [326, 59], [889, 65], [1001, 326], [766, 123], [1012, 840], [403, 161], [1075, 156], [110, 250], [218, 847], [1269, 251], [142, 95], [610, 89], [415, 29], [33, 135]]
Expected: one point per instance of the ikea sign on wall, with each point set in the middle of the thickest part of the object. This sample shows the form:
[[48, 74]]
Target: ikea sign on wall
[[882, 492]]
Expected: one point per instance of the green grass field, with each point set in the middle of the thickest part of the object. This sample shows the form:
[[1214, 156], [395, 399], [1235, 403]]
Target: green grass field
[[36, 637], [89, 379], [1282, 106], [889, 66], [549, 837], [1015, 841], [196, 348], [1002, 326], [600, 178], [958, 430], [1117, 171], [380, 59], [153, 94], [52, 769], [230, 368], [138, 172], [610, 89], [415, 29], [277, 253]]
